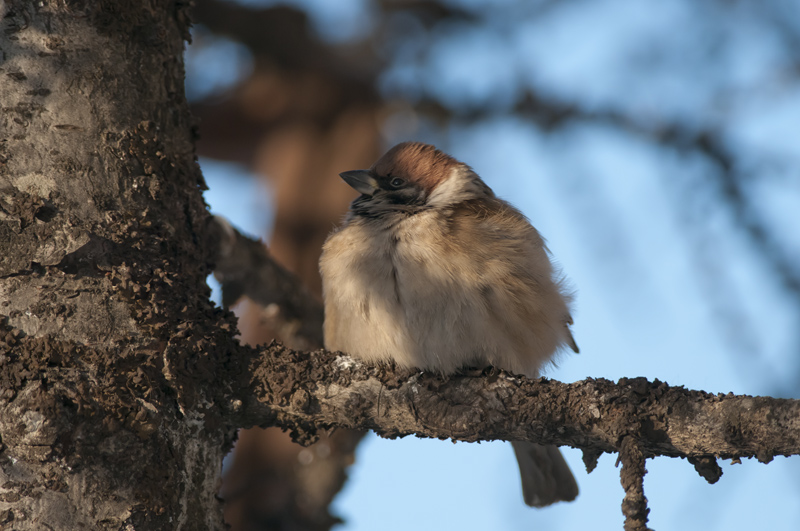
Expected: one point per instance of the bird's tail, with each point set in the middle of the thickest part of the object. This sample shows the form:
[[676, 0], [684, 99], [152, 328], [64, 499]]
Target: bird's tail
[[546, 478]]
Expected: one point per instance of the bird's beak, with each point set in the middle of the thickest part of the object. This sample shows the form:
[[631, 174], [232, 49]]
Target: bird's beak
[[361, 180]]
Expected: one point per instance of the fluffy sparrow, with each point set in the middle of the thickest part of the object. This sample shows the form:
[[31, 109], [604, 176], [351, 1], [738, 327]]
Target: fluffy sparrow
[[431, 270]]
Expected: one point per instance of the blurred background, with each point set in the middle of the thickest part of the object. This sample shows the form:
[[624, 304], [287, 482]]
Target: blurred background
[[656, 145]]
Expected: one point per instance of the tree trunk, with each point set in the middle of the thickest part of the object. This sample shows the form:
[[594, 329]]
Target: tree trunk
[[102, 292]]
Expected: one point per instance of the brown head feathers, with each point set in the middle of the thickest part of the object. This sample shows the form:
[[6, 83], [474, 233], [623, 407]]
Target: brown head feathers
[[416, 162]]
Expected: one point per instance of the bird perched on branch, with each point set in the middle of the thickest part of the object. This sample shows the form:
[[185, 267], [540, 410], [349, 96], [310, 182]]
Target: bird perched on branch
[[431, 270]]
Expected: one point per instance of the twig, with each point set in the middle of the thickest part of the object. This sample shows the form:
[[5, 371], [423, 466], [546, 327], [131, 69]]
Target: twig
[[634, 505]]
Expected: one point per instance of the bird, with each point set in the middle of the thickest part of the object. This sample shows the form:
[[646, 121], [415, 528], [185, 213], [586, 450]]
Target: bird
[[431, 270]]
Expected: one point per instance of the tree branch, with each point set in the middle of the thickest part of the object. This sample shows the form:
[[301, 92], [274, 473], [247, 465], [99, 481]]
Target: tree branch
[[634, 506], [306, 391], [244, 267]]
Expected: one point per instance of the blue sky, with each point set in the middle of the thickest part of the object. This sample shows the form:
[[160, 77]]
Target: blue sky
[[667, 287]]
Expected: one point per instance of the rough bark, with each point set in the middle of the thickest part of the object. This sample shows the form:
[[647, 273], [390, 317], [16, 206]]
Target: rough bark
[[307, 391], [102, 281], [634, 505]]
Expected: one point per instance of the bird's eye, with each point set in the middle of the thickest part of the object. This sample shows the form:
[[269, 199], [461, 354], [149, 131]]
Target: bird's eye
[[397, 182]]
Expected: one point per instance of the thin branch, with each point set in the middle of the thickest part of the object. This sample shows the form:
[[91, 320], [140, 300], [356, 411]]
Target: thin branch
[[244, 267], [306, 391], [634, 505]]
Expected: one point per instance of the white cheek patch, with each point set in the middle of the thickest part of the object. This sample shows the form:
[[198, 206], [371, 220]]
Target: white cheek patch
[[457, 187]]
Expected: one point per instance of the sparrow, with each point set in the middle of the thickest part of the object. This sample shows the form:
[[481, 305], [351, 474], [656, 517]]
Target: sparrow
[[431, 270]]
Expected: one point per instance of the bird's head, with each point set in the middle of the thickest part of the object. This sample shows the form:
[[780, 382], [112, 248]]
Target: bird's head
[[411, 177]]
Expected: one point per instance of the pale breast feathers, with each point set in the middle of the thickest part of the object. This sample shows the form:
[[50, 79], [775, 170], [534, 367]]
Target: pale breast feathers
[[474, 284]]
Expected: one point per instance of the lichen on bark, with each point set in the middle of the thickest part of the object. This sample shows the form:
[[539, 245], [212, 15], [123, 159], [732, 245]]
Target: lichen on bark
[[100, 219]]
